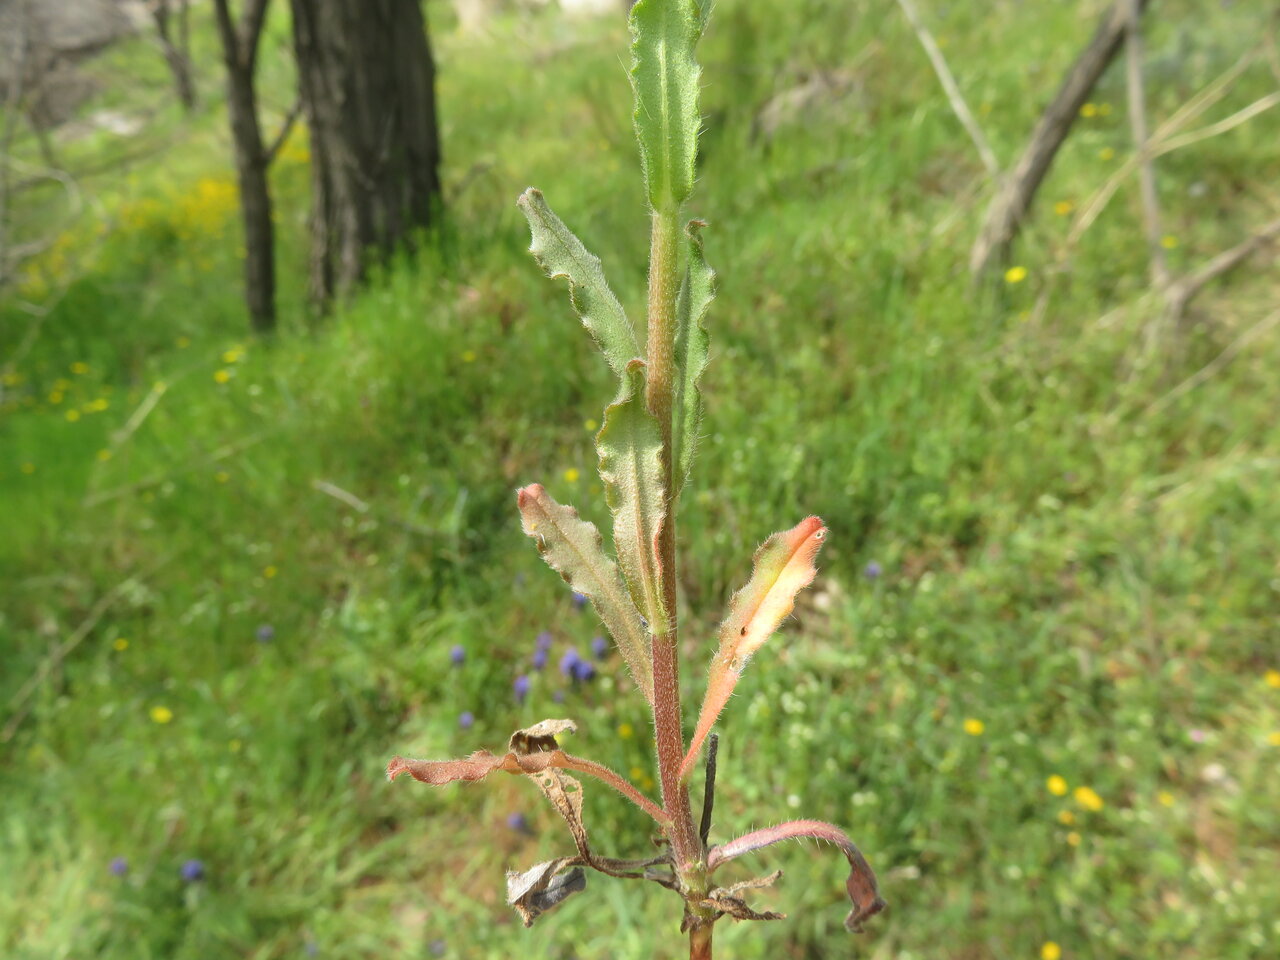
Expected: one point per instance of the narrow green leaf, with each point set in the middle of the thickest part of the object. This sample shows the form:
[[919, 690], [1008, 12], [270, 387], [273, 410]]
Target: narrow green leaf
[[573, 548], [561, 254], [664, 76], [630, 449], [696, 292]]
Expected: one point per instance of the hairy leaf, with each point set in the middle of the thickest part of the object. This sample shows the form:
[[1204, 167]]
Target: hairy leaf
[[564, 792], [572, 546], [561, 254], [696, 292], [630, 449], [665, 79], [783, 567], [538, 889], [861, 886]]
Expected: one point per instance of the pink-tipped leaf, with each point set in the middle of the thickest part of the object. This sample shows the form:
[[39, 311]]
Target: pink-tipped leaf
[[783, 567]]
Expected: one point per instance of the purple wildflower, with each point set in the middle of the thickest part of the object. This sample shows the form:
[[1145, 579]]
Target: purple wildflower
[[600, 647], [521, 687], [193, 871], [518, 822], [569, 662], [584, 670], [544, 640], [457, 655], [539, 659], [119, 866], [579, 600], [265, 633], [466, 719], [872, 570]]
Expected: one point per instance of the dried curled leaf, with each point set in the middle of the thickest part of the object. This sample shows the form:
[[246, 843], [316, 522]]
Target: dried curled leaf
[[783, 567], [725, 900], [861, 885], [573, 548], [543, 886]]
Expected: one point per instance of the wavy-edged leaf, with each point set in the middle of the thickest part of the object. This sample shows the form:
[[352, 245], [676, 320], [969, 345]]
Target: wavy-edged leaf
[[561, 254], [630, 449], [573, 548], [861, 886], [783, 567], [664, 77], [543, 886], [691, 346]]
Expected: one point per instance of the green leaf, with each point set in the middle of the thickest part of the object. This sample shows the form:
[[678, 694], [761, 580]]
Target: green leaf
[[630, 449], [696, 293], [561, 254], [664, 77], [572, 547]]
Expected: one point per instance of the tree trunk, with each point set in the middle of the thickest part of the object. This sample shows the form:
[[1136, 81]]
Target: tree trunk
[[239, 46], [1014, 196], [368, 87]]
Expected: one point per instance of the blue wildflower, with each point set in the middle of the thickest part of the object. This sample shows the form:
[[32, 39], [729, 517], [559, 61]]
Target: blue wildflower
[[457, 655], [539, 659], [466, 719], [600, 647], [544, 640], [579, 600], [193, 871], [872, 570], [518, 822], [266, 633], [584, 670], [119, 866], [569, 663], [521, 687]]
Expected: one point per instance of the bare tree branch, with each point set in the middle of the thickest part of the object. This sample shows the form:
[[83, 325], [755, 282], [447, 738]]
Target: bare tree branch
[[286, 127], [1183, 291]]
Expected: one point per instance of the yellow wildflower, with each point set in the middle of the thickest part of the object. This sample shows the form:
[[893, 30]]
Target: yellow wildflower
[[1073, 839], [269, 572], [1015, 275], [231, 356], [234, 744], [1063, 207], [161, 715], [1050, 951], [571, 475], [98, 405], [104, 455], [79, 368], [1089, 110], [1106, 153], [1088, 798], [1272, 679], [974, 727], [468, 356], [1165, 798], [1168, 241], [590, 425], [55, 397], [221, 376], [626, 731], [1066, 817], [222, 476], [73, 415], [637, 773], [1274, 738], [120, 645], [1057, 785]]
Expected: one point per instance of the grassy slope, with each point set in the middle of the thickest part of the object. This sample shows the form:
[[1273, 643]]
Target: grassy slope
[[1071, 556]]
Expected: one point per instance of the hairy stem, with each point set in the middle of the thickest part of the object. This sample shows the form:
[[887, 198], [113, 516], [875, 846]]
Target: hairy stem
[[663, 289], [700, 942]]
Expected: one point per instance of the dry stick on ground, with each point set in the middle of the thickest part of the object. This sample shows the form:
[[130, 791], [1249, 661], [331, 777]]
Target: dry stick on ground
[[1184, 290], [958, 105], [1013, 198], [1146, 165]]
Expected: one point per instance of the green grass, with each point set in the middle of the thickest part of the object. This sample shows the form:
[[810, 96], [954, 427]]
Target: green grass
[[1076, 552]]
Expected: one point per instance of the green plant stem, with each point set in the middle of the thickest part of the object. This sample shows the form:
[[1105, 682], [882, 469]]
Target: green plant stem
[[664, 256]]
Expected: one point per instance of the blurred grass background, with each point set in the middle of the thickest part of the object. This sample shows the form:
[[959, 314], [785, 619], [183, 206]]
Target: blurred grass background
[[1047, 559]]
